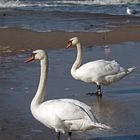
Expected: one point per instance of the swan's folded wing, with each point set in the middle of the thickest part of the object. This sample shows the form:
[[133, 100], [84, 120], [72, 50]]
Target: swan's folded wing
[[114, 78], [83, 106], [62, 109], [111, 67], [100, 68]]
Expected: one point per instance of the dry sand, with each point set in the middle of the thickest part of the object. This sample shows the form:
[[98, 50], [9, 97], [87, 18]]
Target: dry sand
[[15, 39]]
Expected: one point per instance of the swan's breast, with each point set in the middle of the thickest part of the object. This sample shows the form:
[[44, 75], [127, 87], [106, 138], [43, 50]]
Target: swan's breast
[[44, 114]]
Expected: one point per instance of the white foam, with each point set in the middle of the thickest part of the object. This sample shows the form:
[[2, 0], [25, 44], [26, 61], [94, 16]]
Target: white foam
[[5, 4], [18, 3], [98, 2]]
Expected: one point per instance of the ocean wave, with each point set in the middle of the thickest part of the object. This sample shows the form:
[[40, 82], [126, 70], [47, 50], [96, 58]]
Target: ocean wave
[[98, 2], [4, 3], [19, 3], [55, 3]]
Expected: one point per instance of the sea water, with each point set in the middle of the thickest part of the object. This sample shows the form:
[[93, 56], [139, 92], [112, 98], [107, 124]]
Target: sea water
[[66, 15]]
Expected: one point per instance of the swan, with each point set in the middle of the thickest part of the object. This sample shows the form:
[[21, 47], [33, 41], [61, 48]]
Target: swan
[[62, 115], [99, 72]]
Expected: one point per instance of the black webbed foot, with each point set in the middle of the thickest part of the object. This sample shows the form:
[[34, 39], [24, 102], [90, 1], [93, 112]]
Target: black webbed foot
[[99, 94]]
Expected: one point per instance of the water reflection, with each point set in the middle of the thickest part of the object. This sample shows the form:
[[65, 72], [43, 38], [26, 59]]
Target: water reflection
[[107, 51]]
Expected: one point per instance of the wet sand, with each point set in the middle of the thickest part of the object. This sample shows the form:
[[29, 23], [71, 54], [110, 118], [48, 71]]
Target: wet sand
[[118, 108], [15, 39]]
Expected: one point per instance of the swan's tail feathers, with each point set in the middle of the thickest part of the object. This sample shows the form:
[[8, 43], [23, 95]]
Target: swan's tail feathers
[[130, 70], [101, 126]]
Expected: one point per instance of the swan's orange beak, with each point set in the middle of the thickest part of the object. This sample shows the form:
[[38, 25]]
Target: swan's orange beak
[[30, 58], [69, 44]]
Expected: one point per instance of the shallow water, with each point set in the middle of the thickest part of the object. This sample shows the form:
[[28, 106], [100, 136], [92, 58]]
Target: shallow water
[[45, 21], [119, 107]]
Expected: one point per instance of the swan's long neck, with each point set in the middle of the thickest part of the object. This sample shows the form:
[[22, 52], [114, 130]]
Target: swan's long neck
[[39, 96], [78, 60]]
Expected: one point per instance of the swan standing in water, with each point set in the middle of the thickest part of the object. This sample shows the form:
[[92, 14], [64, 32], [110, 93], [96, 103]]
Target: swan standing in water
[[62, 115], [100, 72]]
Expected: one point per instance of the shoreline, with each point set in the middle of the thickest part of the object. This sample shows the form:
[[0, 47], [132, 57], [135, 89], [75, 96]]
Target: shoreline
[[17, 39]]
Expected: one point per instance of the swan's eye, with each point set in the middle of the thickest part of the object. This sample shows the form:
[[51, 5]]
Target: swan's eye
[[34, 54], [70, 41]]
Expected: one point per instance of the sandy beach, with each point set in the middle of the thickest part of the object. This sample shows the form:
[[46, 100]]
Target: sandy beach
[[15, 39]]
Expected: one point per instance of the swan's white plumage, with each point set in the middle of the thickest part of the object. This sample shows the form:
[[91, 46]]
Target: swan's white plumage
[[95, 71], [63, 115], [73, 114]]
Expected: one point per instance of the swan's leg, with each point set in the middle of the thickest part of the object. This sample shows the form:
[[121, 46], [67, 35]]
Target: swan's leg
[[98, 92], [58, 135], [69, 135]]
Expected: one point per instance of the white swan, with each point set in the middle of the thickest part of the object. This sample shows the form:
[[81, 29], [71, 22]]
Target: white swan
[[98, 72], [62, 115]]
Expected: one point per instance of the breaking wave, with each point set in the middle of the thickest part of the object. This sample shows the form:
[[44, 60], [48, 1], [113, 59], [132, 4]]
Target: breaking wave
[[98, 2], [54, 3]]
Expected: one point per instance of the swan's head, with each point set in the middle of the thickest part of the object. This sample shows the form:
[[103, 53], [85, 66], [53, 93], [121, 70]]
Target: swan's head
[[36, 55], [73, 41]]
